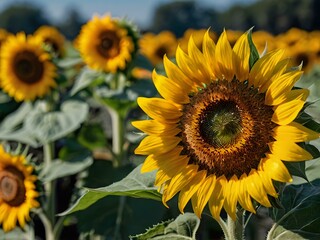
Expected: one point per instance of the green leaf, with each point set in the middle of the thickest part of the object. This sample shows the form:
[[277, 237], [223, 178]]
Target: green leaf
[[18, 233], [134, 185], [281, 233], [254, 54], [184, 226], [70, 62], [85, 78], [50, 126], [92, 136], [297, 169], [301, 213], [11, 127]]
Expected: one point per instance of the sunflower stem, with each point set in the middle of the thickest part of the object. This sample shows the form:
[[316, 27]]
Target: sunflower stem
[[236, 228], [117, 135], [47, 225], [49, 186]]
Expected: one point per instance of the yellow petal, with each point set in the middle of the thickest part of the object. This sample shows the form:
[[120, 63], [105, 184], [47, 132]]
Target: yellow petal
[[217, 198], [177, 76], [262, 70], [231, 191], [198, 60], [275, 168], [188, 68], [156, 144], [209, 48], [224, 57], [189, 190], [160, 109], [241, 57], [295, 132], [301, 94], [178, 182], [170, 90], [287, 112], [280, 87], [244, 197], [256, 188], [267, 183], [202, 196], [289, 151], [278, 70], [153, 127]]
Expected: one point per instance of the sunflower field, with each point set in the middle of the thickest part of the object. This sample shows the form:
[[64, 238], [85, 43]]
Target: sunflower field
[[121, 133]]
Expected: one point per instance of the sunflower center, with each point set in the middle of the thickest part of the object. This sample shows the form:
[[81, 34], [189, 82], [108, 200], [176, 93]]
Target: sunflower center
[[12, 190], [109, 44], [27, 67], [226, 128], [220, 123], [52, 44], [161, 51]]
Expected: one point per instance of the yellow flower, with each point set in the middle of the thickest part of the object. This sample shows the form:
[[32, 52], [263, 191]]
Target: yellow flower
[[105, 45], [154, 46], [17, 190], [51, 36], [222, 130], [197, 35], [26, 71]]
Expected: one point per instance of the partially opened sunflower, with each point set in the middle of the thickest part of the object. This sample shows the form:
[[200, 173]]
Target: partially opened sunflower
[[223, 128]]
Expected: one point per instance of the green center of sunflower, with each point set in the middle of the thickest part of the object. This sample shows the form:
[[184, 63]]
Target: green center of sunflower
[[226, 128], [27, 67], [12, 189], [109, 44], [53, 44], [220, 123]]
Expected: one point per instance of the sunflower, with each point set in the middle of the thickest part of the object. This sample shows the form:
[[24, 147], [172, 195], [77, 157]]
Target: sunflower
[[18, 193], [26, 71], [263, 39], [105, 45], [155, 46], [52, 37], [223, 128]]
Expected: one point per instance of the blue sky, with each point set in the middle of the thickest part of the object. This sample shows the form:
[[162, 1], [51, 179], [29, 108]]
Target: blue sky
[[139, 11]]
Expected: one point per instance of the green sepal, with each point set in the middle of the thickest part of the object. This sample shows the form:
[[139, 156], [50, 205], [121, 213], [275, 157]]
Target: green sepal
[[254, 54]]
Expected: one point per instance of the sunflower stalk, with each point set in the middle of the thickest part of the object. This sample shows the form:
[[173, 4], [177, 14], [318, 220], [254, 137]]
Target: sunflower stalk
[[236, 228], [50, 189]]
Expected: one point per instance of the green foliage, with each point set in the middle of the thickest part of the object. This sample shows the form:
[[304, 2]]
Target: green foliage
[[301, 211], [184, 226], [134, 185]]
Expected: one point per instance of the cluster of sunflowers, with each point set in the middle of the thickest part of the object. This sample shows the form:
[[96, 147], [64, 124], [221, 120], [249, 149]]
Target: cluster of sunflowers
[[222, 122]]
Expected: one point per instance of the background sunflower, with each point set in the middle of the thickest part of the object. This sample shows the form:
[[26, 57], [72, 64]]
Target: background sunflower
[[26, 71]]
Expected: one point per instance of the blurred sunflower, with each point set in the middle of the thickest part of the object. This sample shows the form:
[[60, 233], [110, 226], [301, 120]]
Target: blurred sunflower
[[263, 39], [155, 46], [52, 37], [197, 35], [233, 36], [105, 45], [291, 37], [26, 71], [18, 193], [222, 129]]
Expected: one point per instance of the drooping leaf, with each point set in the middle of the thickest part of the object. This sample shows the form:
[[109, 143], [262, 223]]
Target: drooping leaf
[[301, 212], [50, 126], [85, 78], [134, 185], [281, 233], [184, 226]]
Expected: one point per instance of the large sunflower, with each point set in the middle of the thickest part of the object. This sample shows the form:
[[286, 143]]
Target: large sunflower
[[222, 130], [52, 37], [105, 45], [17, 190], [26, 71]]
